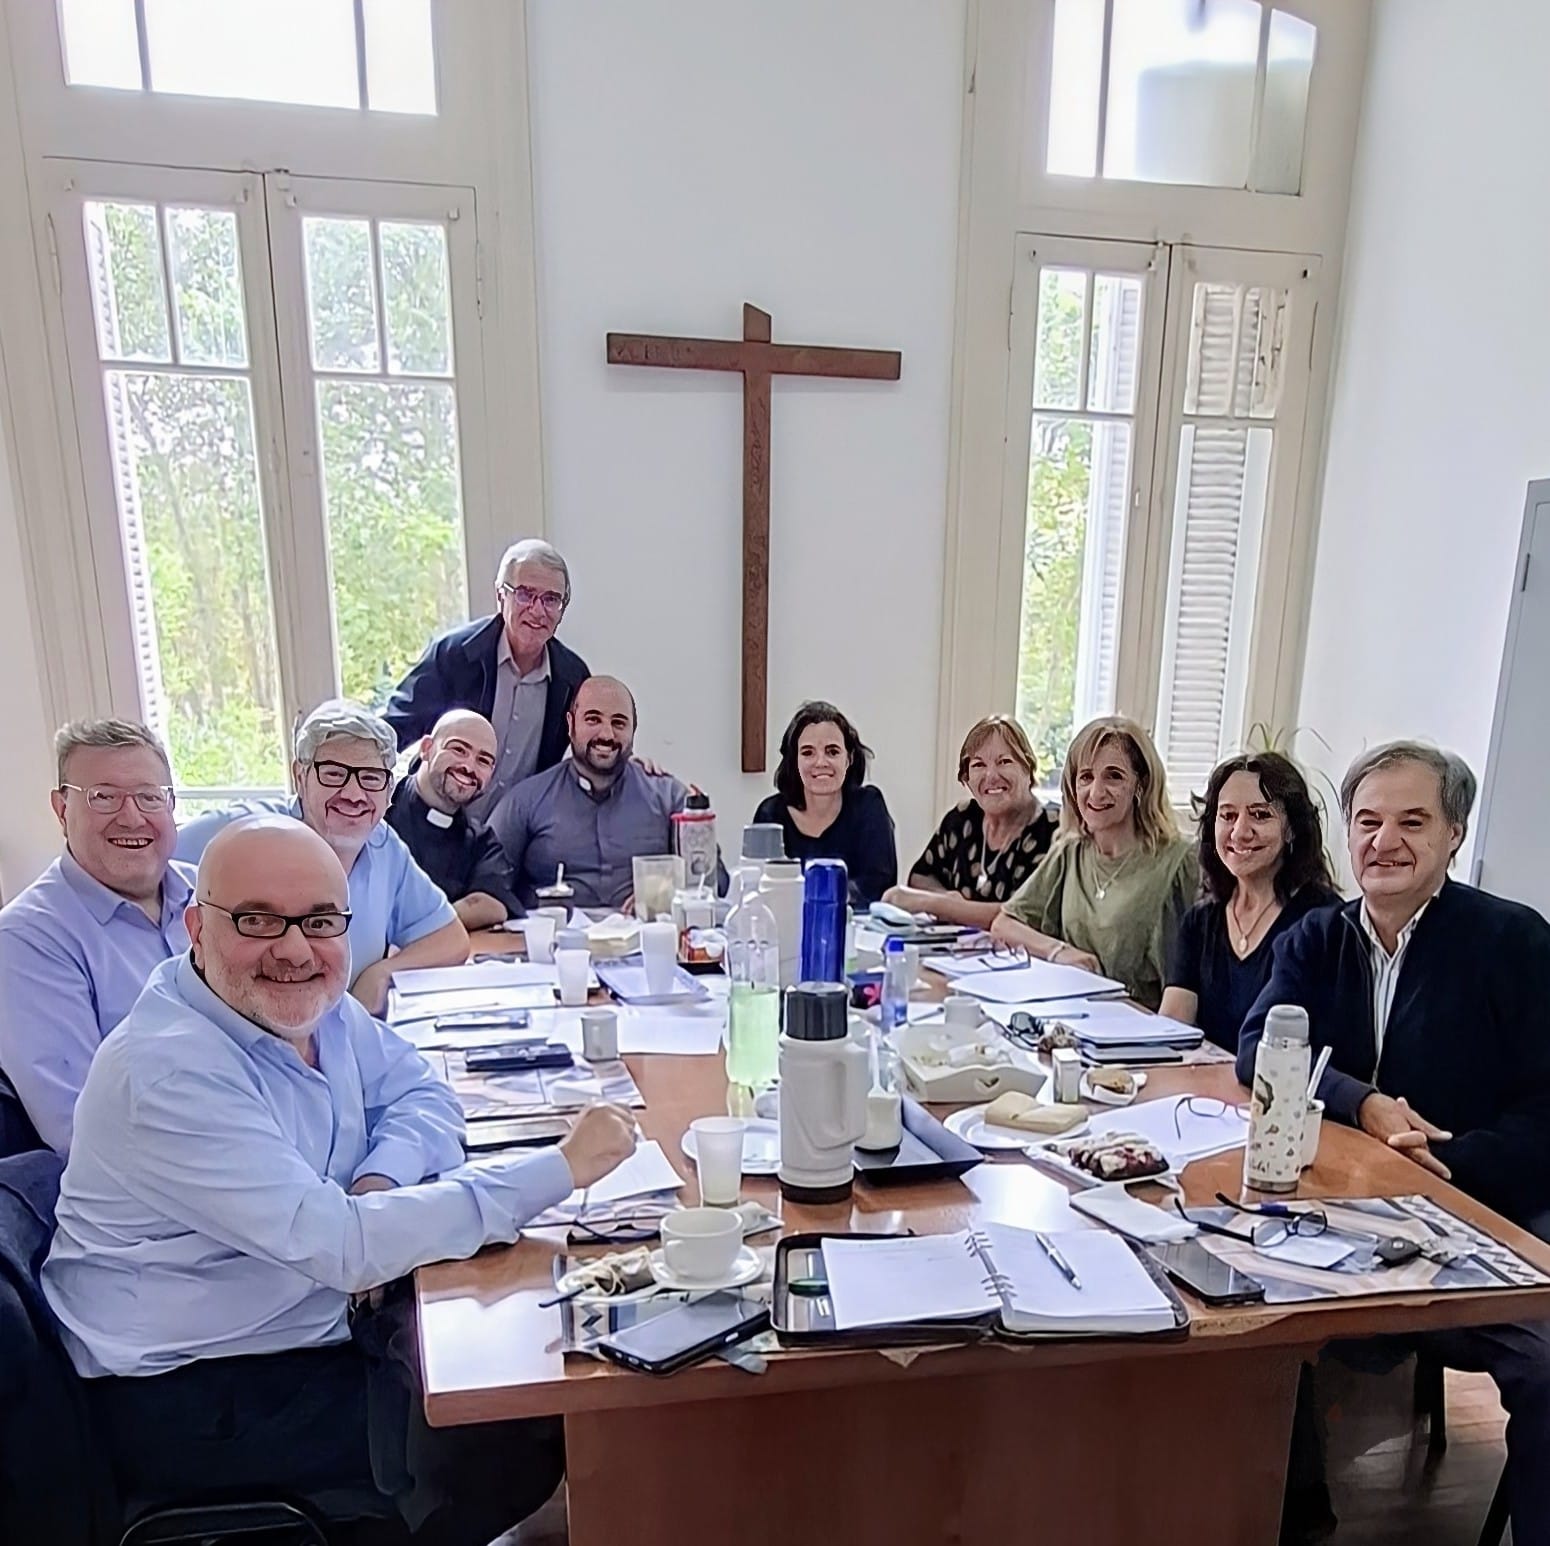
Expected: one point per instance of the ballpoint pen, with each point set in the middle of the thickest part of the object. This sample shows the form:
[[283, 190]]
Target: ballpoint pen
[[1061, 1264]]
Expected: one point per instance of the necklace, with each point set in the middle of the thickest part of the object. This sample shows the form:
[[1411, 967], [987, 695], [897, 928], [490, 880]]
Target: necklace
[[1246, 930], [1105, 881]]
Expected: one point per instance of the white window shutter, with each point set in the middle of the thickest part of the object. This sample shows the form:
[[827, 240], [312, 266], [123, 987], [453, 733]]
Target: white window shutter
[[1225, 437]]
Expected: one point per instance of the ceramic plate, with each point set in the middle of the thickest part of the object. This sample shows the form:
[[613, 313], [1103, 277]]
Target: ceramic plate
[[761, 1147], [745, 1268], [971, 1126], [1101, 1097]]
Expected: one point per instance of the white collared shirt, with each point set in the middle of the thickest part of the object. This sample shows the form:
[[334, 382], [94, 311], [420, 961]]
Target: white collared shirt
[[1385, 969]]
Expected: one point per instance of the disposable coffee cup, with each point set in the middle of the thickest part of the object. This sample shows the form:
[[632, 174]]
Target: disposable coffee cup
[[718, 1156], [599, 1035]]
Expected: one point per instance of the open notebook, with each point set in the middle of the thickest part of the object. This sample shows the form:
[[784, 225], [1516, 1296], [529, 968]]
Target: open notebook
[[997, 1274]]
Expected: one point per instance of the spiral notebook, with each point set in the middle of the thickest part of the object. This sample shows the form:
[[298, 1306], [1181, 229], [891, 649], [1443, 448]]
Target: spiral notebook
[[1001, 1274]]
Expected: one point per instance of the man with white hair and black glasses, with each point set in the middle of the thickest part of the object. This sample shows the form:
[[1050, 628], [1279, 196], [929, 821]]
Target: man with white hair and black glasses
[[508, 667], [343, 771], [1432, 998], [77, 946]]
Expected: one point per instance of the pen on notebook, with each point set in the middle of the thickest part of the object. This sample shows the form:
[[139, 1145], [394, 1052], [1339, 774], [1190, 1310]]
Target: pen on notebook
[[1061, 1264], [1318, 1073]]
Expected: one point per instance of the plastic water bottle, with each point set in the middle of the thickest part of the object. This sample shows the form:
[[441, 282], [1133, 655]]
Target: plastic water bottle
[[753, 1003], [1272, 1155], [895, 1009]]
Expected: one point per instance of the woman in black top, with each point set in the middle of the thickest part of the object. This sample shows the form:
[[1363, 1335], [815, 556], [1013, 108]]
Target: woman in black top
[[1262, 868], [825, 805], [988, 845]]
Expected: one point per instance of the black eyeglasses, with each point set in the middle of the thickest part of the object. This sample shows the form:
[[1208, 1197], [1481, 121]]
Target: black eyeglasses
[[1206, 1106], [1028, 1031], [335, 775], [108, 800], [1270, 1230], [251, 924]]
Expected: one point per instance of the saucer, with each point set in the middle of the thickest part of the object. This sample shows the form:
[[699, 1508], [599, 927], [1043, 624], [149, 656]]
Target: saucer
[[746, 1266]]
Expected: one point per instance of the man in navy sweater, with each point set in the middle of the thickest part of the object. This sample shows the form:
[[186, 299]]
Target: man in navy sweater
[[508, 667], [1433, 997]]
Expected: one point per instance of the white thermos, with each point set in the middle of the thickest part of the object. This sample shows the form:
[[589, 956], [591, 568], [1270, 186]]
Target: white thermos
[[1272, 1157], [824, 1078]]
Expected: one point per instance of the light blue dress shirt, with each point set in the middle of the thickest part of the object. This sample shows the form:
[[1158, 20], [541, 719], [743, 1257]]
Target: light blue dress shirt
[[392, 900], [205, 1212], [74, 955]]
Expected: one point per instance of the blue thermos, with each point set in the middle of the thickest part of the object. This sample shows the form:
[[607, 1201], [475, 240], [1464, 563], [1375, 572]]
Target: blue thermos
[[825, 893]]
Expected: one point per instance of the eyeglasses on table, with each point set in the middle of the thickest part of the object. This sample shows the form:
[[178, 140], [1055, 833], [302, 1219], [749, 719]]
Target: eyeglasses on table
[[1270, 1229]]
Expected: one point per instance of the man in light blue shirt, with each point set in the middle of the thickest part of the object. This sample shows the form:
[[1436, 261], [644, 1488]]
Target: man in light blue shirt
[[344, 776], [77, 946], [251, 1150]]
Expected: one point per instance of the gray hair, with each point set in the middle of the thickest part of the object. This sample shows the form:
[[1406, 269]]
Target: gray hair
[[539, 551], [105, 732], [338, 716], [1455, 781]]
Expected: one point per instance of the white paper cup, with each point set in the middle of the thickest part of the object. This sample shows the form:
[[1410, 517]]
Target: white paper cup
[[538, 935], [718, 1155], [659, 953], [561, 915], [1312, 1126], [599, 1035], [701, 1243], [571, 968]]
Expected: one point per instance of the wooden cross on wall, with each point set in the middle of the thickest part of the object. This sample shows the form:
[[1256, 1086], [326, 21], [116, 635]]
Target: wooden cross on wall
[[758, 359]]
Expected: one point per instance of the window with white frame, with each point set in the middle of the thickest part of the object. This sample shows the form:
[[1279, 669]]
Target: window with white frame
[[366, 54], [267, 381], [1208, 92], [1154, 429]]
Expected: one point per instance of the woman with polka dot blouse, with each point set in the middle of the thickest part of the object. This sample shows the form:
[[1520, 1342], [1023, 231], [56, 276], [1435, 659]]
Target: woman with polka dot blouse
[[989, 844]]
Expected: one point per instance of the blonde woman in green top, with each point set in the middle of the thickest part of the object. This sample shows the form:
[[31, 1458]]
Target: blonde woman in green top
[[1110, 894]]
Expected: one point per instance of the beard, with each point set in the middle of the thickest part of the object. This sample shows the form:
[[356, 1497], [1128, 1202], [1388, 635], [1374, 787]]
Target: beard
[[454, 795], [614, 756]]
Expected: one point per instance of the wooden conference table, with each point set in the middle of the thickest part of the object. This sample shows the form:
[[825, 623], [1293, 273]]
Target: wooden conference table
[[1099, 1442]]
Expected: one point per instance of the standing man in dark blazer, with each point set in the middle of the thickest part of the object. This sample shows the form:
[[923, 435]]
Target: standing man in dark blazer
[[509, 667]]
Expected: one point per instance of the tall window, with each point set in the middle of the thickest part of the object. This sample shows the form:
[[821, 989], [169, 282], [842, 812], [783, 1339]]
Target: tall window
[[267, 376], [1154, 426]]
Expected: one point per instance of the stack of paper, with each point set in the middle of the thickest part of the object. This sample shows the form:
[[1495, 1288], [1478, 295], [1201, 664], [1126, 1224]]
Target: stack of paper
[[430, 993], [1110, 1032], [1036, 982]]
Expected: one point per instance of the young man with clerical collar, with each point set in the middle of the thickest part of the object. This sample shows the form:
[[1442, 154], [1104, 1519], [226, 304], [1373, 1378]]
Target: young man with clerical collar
[[429, 811]]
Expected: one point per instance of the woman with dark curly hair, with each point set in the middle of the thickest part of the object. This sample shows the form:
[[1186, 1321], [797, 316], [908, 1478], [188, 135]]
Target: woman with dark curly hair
[[825, 805], [1262, 868]]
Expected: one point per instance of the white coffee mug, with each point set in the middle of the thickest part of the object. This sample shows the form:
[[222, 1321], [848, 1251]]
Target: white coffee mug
[[962, 1012], [700, 1244], [599, 1035]]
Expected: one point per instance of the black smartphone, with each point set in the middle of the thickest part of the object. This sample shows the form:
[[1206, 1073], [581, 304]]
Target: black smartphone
[[517, 1057], [1206, 1276], [677, 1338]]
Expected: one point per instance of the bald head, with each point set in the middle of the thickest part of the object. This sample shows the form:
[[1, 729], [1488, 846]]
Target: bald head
[[602, 728], [258, 875], [457, 760]]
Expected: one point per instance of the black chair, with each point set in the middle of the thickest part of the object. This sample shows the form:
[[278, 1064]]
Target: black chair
[[54, 1485], [1431, 1402], [273, 1524], [17, 1134]]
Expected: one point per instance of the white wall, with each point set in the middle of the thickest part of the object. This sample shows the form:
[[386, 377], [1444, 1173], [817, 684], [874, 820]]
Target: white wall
[[1441, 405], [803, 157]]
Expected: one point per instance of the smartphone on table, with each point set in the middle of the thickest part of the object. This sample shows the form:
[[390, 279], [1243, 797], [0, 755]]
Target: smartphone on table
[[1208, 1277], [677, 1338]]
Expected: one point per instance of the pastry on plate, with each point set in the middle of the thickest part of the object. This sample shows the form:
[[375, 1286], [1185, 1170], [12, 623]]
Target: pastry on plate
[[1024, 1114], [1115, 1156], [1117, 1081]]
